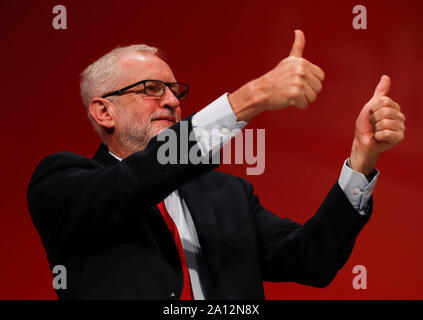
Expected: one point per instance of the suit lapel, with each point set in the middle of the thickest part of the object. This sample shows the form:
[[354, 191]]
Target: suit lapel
[[201, 209], [200, 205], [104, 157]]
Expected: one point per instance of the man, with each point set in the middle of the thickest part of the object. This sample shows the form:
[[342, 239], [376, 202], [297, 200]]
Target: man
[[128, 227]]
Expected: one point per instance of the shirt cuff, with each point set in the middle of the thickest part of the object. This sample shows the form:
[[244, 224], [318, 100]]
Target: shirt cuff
[[356, 187], [215, 125]]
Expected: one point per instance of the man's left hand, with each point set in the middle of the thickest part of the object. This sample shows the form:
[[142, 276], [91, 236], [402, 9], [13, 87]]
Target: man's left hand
[[379, 127]]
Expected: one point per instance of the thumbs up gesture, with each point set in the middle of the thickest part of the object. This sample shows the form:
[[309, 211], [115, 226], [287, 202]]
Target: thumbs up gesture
[[294, 81], [379, 127]]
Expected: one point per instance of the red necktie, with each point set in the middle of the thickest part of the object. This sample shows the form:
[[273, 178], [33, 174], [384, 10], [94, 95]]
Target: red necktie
[[186, 290]]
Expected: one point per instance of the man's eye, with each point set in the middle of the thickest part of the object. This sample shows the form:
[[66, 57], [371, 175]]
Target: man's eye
[[153, 88]]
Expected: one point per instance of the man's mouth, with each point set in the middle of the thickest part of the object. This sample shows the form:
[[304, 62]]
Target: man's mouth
[[169, 118]]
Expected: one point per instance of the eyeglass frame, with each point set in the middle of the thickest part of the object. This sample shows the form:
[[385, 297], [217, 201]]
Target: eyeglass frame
[[167, 84]]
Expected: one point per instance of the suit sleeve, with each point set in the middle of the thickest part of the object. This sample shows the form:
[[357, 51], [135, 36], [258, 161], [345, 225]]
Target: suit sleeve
[[74, 200], [313, 253]]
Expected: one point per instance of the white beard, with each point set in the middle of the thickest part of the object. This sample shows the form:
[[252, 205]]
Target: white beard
[[133, 135]]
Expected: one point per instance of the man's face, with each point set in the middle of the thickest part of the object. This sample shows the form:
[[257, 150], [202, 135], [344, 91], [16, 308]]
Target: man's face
[[140, 117]]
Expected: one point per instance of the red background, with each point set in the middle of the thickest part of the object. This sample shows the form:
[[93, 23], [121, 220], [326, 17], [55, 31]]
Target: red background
[[216, 47]]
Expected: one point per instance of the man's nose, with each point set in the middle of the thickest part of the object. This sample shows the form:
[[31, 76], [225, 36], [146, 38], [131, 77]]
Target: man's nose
[[169, 100]]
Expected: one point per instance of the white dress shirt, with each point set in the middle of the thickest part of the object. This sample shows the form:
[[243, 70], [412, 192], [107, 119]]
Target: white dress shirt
[[219, 115]]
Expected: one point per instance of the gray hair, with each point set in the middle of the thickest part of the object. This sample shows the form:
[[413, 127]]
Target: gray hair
[[102, 76]]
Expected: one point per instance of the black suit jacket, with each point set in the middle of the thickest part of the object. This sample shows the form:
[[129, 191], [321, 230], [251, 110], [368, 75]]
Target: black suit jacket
[[98, 218]]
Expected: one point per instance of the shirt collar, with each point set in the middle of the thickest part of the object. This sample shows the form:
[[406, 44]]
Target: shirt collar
[[120, 159]]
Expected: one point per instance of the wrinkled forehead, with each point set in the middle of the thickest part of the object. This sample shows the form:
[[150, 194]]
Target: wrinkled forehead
[[141, 66]]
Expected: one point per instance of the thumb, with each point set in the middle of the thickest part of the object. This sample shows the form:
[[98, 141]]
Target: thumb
[[298, 46], [383, 87]]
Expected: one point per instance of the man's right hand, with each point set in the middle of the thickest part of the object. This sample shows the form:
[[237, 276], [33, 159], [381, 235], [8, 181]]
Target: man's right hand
[[294, 81]]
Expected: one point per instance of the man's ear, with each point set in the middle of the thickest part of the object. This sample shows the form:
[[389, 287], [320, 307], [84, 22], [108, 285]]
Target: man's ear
[[101, 111]]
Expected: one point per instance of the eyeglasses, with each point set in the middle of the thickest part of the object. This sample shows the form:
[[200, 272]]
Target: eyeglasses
[[155, 88]]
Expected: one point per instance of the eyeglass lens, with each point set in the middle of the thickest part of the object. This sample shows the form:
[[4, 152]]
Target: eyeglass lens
[[156, 88]]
